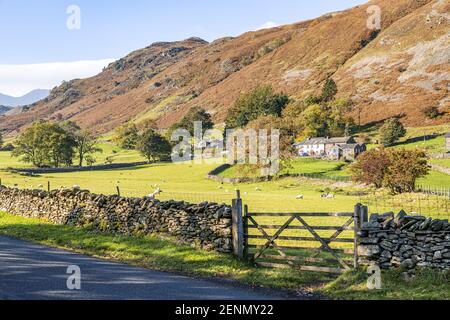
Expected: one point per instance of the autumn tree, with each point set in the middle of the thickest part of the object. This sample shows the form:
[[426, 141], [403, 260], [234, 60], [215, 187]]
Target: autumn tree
[[396, 169], [371, 167], [406, 166], [330, 119]]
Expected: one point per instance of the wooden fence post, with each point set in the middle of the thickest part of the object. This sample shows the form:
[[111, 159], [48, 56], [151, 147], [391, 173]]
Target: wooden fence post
[[237, 227], [356, 218]]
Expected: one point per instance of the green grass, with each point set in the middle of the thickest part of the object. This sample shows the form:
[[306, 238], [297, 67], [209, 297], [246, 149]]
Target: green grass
[[441, 162], [435, 145], [435, 179], [427, 285], [304, 166], [188, 182], [116, 154], [155, 252]]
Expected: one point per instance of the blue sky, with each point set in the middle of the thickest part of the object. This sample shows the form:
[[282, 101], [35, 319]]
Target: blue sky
[[35, 32]]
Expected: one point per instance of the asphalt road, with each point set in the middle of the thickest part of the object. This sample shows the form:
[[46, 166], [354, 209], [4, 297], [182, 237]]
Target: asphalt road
[[33, 272]]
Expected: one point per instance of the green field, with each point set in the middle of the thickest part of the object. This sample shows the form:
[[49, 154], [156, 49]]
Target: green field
[[187, 181], [305, 166], [441, 162]]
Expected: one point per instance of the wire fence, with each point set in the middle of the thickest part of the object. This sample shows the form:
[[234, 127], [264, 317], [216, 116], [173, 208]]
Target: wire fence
[[444, 192], [219, 198], [433, 204], [428, 201], [321, 176]]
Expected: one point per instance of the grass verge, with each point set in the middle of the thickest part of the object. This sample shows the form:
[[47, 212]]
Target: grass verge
[[426, 285]]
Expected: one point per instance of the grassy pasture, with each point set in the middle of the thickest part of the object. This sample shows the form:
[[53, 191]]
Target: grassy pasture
[[304, 165], [441, 162]]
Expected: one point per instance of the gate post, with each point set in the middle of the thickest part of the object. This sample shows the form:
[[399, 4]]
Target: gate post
[[237, 230], [361, 215], [356, 218]]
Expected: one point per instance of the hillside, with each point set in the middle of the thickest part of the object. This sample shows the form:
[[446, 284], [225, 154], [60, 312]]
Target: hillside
[[400, 70], [4, 109]]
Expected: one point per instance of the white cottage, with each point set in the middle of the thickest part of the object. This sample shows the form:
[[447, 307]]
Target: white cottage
[[333, 148]]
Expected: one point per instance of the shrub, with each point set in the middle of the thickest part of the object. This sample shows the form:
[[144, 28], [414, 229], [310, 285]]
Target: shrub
[[396, 169], [431, 112]]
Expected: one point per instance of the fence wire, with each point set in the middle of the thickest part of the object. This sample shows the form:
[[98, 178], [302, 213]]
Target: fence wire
[[432, 204], [225, 198]]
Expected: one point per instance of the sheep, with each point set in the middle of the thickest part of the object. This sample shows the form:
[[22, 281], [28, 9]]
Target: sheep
[[330, 196], [300, 197], [40, 186], [258, 189], [76, 187], [154, 194]]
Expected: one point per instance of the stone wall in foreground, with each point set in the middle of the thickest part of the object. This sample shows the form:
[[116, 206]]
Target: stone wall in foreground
[[207, 225], [408, 242]]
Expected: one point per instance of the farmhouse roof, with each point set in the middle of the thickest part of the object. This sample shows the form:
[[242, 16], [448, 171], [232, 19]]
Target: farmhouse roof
[[322, 140]]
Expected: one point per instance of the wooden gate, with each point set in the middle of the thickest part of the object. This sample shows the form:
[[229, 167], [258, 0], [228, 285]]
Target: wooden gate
[[272, 250]]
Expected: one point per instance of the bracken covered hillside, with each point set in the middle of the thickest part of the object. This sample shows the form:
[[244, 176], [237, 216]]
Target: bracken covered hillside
[[398, 71]]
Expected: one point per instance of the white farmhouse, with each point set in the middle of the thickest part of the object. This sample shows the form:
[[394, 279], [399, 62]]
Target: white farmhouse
[[332, 148]]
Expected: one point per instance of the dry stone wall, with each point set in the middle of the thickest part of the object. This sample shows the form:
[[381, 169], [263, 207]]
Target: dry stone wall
[[208, 225], [406, 242]]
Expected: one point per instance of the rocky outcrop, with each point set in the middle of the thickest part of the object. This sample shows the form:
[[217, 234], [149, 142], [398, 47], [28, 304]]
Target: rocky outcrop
[[207, 225], [408, 242]]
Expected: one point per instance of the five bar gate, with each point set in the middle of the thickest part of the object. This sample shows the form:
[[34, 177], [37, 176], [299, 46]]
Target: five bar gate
[[277, 250]]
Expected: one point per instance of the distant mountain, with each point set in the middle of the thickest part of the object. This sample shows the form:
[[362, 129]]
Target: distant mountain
[[397, 71], [27, 99], [4, 109]]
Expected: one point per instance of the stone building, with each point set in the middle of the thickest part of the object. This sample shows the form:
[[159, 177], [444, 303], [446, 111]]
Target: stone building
[[345, 148]]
